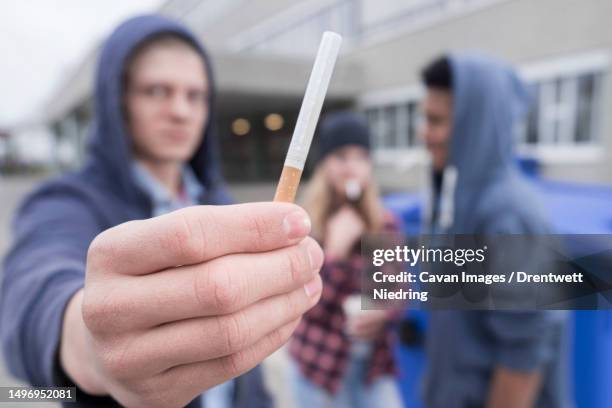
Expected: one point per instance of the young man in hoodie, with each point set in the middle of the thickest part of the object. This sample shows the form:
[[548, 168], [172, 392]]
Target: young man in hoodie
[[491, 359], [151, 312]]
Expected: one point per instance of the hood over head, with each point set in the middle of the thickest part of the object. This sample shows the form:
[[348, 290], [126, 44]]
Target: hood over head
[[488, 101], [109, 146], [482, 187]]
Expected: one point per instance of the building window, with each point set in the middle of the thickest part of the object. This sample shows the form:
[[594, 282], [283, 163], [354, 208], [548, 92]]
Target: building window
[[393, 126], [586, 109], [564, 110]]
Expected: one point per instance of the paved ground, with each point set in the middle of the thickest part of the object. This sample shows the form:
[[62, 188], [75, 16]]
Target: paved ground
[[12, 191]]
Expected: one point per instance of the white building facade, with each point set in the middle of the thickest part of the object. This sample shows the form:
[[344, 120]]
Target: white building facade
[[263, 51]]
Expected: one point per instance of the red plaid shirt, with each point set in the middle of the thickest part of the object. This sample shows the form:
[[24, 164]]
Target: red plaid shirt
[[320, 345]]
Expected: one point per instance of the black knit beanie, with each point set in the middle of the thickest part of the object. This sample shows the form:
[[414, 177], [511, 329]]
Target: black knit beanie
[[340, 129]]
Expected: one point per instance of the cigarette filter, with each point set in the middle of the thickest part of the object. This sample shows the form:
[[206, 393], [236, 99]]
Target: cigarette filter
[[308, 117]]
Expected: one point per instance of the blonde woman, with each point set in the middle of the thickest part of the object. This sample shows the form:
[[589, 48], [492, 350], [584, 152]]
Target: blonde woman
[[341, 356]]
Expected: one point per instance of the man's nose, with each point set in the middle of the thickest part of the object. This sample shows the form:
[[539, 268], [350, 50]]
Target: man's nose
[[179, 107]]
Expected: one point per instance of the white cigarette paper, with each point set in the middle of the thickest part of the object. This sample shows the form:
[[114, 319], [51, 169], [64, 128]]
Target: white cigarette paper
[[313, 100]]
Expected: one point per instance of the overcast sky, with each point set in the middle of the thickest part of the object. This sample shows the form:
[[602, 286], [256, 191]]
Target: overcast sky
[[41, 41]]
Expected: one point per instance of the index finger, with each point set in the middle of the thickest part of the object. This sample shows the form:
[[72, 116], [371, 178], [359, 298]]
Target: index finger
[[195, 235]]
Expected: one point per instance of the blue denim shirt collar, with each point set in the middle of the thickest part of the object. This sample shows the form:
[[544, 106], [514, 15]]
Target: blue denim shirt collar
[[161, 199]]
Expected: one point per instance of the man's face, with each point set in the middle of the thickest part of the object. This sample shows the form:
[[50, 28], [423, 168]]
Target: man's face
[[437, 111], [166, 102]]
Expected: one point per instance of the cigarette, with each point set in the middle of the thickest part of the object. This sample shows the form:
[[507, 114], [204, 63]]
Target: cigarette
[[308, 117]]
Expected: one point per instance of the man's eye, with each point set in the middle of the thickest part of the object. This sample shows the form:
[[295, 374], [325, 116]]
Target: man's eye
[[196, 96], [157, 91], [433, 120]]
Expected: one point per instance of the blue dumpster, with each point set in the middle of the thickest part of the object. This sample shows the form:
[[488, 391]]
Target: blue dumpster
[[573, 209], [586, 209]]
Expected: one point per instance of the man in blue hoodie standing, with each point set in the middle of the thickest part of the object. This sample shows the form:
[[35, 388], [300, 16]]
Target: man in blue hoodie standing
[[491, 359], [151, 312]]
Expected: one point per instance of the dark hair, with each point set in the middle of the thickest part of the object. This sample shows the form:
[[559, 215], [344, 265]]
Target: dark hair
[[438, 74]]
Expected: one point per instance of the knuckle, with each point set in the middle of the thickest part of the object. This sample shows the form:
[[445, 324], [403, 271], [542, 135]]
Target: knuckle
[[186, 242], [279, 337], [292, 305], [103, 313], [259, 227], [153, 392], [201, 286], [298, 263], [276, 339], [213, 288], [101, 249], [223, 294], [95, 315], [235, 332], [234, 364], [90, 313], [115, 361]]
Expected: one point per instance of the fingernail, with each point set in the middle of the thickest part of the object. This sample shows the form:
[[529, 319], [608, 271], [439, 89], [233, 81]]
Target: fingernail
[[315, 255], [296, 225], [313, 287]]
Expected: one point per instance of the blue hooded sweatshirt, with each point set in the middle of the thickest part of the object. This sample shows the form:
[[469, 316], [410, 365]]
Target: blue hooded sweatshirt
[[483, 192], [56, 223]]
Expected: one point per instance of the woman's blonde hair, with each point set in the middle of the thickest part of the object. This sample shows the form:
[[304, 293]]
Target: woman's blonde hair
[[320, 203]]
